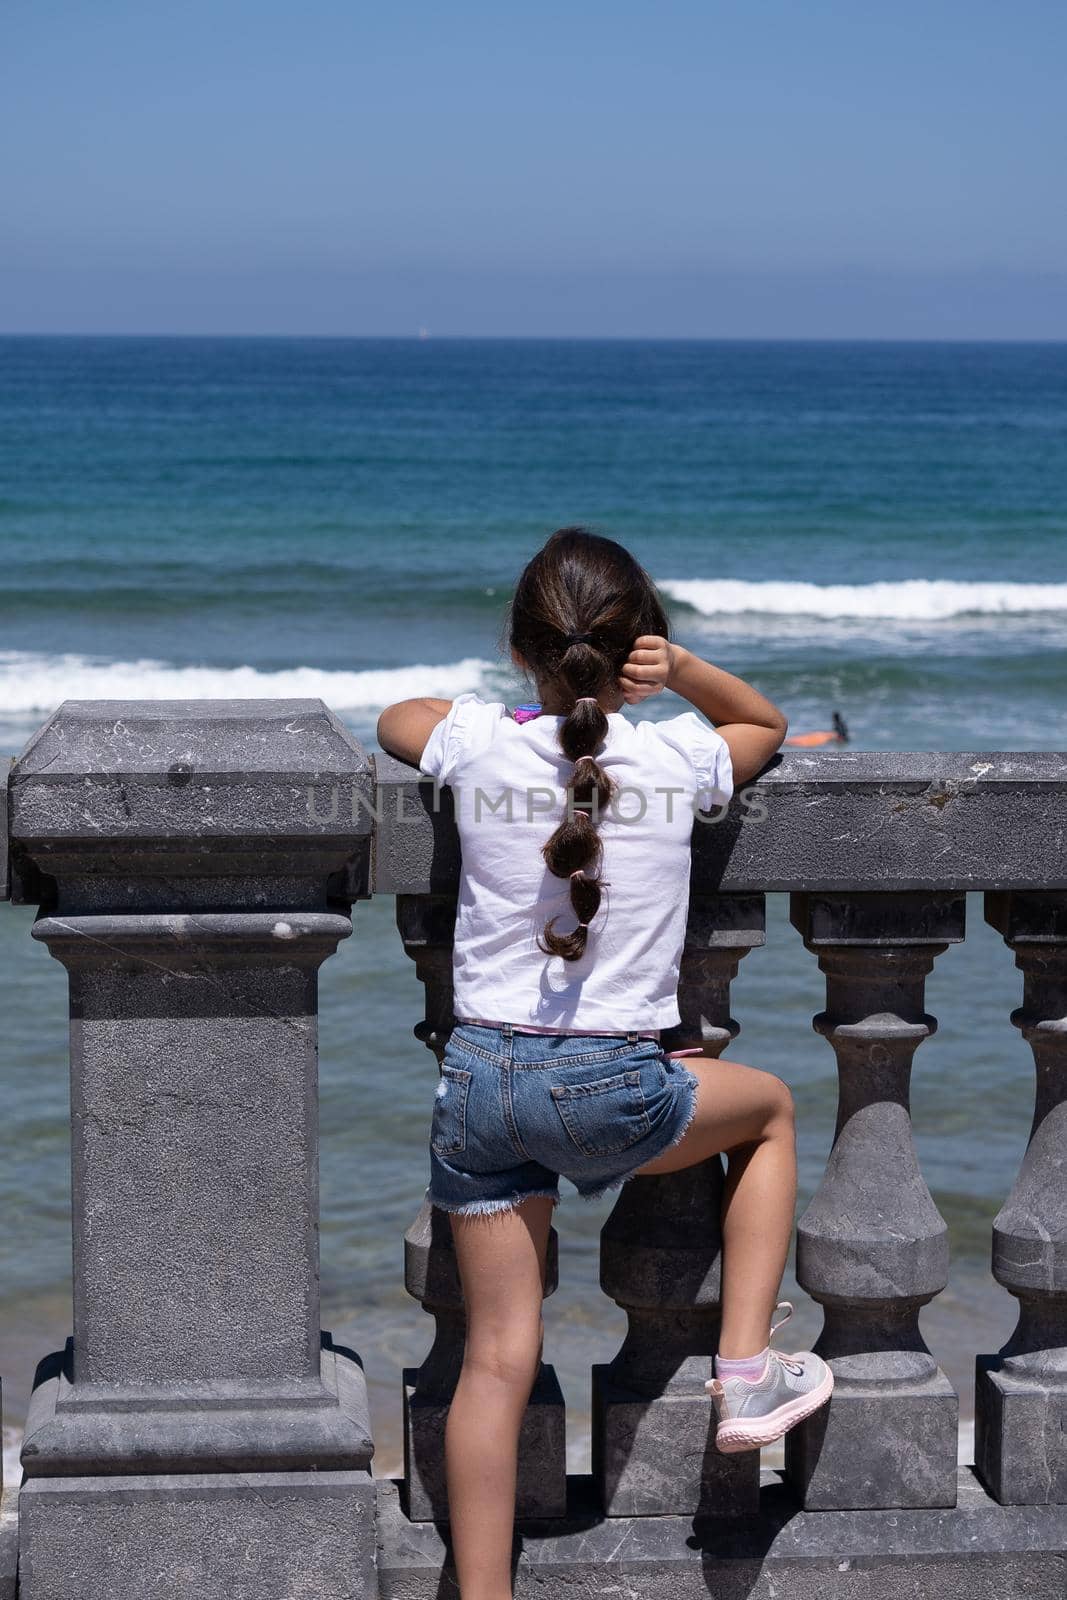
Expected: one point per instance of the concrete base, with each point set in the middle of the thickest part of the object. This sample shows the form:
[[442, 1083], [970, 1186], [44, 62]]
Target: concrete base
[[1020, 1437], [977, 1551], [872, 1448], [86, 1428], [260, 1536], [542, 1483], [652, 1457]]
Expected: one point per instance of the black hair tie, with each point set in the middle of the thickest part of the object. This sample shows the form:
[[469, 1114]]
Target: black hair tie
[[579, 638]]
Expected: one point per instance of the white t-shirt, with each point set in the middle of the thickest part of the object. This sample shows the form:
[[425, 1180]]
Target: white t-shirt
[[508, 781]]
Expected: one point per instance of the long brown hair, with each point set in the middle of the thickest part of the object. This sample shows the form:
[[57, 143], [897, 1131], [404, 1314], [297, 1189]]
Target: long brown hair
[[578, 607]]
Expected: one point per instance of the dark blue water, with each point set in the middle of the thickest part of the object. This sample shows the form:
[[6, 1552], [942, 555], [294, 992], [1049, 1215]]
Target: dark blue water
[[880, 529]]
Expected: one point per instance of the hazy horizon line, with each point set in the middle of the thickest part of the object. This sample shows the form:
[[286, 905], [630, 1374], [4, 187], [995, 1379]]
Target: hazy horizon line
[[549, 338]]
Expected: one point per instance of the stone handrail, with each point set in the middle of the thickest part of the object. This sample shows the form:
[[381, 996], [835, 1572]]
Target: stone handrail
[[858, 820], [194, 863]]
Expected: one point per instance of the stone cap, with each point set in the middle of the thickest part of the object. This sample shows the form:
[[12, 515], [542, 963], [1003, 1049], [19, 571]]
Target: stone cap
[[153, 780], [859, 820], [221, 767]]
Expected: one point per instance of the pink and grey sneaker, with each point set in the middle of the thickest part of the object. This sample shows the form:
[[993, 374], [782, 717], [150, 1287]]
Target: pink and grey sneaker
[[755, 1413]]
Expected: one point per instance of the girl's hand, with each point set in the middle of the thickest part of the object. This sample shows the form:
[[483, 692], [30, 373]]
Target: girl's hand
[[647, 669]]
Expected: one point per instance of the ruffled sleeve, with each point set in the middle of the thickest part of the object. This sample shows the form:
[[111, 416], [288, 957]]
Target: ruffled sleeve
[[709, 754], [468, 727]]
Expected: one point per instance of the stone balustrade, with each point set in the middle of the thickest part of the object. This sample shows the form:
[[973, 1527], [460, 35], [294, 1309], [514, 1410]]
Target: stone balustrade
[[201, 1436]]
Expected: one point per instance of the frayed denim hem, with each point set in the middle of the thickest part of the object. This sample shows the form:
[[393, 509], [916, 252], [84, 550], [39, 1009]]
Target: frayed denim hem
[[488, 1208], [693, 1084]]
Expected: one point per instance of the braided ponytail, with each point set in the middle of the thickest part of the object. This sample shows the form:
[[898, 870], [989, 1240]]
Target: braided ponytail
[[578, 607], [574, 851]]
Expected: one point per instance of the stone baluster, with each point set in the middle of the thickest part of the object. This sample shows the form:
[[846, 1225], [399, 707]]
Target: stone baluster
[[187, 854], [872, 1247], [426, 924], [1021, 1393], [653, 1426]]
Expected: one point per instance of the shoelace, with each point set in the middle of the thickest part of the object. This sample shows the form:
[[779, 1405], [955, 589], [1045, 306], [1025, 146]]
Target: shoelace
[[791, 1366]]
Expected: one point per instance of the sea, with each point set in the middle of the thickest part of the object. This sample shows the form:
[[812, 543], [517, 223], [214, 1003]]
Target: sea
[[875, 529]]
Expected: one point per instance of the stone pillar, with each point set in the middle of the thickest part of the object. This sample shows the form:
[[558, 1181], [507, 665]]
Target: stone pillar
[[653, 1424], [8, 1522], [872, 1247], [426, 924], [1021, 1393], [190, 856]]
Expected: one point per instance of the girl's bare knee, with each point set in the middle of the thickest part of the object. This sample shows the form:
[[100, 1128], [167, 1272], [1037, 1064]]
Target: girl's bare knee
[[784, 1104], [505, 1364], [777, 1107], [510, 1355]]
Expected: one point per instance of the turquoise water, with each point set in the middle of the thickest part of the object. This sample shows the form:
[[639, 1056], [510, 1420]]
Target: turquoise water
[[878, 529]]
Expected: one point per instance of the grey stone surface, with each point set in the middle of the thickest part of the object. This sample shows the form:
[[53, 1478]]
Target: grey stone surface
[[1021, 1393], [188, 854], [257, 1536], [653, 1449], [416, 847], [655, 1455], [847, 820], [5, 874], [976, 1551], [9, 1544], [111, 797], [872, 1247], [720, 931], [242, 1425], [432, 1277], [1020, 1430], [195, 1183], [427, 924], [193, 1107], [877, 1449]]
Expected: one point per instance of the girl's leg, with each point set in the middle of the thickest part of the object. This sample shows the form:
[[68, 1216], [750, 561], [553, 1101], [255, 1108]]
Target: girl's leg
[[749, 1115], [501, 1260]]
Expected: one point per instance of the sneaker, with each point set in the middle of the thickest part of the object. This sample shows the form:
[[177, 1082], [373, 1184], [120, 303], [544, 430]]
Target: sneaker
[[791, 1388]]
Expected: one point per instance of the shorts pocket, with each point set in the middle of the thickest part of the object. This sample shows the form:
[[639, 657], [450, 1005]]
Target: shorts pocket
[[448, 1130], [605, 1116]]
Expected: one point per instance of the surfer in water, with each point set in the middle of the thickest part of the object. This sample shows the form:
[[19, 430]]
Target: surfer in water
[[836, 734]]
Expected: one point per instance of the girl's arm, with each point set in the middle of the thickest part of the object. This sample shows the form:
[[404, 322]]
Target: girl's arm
[[403, 729], [751, 725]]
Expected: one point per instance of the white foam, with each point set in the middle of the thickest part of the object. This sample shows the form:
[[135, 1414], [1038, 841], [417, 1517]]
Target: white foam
[[911, 600], [35, 682]]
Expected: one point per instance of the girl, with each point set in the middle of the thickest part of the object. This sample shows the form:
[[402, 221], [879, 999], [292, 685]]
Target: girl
[[575, 826]]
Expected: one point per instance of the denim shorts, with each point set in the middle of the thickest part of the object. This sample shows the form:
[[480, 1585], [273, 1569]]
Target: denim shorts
[[514, 1111]]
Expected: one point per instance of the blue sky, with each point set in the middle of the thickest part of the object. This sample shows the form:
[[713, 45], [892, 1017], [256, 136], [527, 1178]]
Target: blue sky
[[757, 168]]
